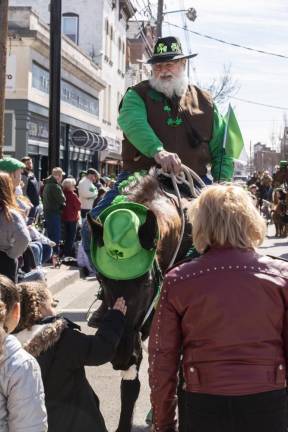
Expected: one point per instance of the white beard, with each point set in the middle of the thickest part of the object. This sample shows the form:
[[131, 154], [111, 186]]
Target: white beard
[[175, 86]]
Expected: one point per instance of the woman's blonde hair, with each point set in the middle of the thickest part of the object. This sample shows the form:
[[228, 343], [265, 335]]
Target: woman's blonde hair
[[68, 182], [225, 215], [7, 196]]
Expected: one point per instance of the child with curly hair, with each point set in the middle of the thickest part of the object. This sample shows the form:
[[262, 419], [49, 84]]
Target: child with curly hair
[[62, 352], [22, 406]]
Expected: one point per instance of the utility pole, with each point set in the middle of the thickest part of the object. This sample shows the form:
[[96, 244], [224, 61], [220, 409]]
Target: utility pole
[[159, 18], [55, 84], [3, 60]]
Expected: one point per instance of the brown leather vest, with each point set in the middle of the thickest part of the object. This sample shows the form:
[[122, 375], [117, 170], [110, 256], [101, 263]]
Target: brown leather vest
[[196, 112]]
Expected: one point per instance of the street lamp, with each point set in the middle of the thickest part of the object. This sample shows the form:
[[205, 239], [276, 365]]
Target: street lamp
[[191, 13]]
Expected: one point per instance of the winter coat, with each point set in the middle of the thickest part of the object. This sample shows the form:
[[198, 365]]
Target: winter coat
[[87, 193], [14, 235], [31, 187], [22, 404], [227, 312], [62, 352], [53, 196], [70, 212]]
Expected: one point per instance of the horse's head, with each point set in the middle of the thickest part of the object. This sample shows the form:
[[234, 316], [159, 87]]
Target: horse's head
[[123, 249]]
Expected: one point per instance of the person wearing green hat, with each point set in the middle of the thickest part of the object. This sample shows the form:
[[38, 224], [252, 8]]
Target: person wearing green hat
[[14, 168], [167, 122]]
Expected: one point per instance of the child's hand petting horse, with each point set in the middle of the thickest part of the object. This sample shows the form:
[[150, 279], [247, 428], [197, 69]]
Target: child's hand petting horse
[[120, 305]]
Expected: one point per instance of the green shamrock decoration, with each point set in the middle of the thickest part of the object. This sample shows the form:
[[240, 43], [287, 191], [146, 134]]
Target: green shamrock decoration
[[174, 122], [166, 108], [175, 47], [116, 254], [178, 121], [161, 48]]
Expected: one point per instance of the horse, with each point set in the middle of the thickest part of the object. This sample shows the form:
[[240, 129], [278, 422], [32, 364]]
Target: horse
[[279, 213], [280, 177], [140, 293]]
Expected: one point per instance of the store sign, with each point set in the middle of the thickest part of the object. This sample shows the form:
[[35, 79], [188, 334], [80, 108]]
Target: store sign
[[114, 145], [88, 140], [82, 138], [11, 73]]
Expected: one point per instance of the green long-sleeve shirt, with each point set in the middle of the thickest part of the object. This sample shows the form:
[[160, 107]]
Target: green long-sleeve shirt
[[134, 124]]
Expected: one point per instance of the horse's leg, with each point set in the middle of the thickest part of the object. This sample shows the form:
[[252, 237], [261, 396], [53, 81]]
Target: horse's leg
[[130, 389]]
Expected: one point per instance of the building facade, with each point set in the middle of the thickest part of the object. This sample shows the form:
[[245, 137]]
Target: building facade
[[27, 96], [99, 29], [141, 36], [265, 159]]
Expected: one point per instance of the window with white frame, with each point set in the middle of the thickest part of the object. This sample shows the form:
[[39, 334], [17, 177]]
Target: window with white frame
[[109, 104], [119, 54], [123, 58], [70, 26], [111, 43], [107, 38]]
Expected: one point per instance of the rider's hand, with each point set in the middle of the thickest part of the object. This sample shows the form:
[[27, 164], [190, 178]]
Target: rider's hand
[[170, 162], [120, 305]]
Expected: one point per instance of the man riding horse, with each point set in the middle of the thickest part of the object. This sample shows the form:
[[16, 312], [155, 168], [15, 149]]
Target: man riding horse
[[166, 121]]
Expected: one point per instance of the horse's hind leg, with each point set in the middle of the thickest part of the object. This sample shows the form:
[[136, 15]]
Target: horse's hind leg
[[130, 389]]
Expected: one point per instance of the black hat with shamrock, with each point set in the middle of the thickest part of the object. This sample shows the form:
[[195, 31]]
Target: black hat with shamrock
[[167, 49]]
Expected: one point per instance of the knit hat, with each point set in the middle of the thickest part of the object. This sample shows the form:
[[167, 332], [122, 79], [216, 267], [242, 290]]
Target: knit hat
[[10, 165]]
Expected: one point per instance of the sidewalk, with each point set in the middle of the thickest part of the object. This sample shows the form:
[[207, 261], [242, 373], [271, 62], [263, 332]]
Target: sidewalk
[[60, 278]]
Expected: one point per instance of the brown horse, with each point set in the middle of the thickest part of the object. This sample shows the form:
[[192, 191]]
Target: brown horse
[[280, 177], [139, 293], [279, 212]]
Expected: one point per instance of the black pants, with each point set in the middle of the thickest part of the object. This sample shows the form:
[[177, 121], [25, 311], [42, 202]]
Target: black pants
[[69, 237], [8, 266], [261, 412]]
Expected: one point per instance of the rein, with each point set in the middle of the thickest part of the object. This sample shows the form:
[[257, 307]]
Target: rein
[[187, 175]]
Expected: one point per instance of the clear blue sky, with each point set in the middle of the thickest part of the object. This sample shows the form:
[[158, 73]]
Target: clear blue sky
[[262, 78]]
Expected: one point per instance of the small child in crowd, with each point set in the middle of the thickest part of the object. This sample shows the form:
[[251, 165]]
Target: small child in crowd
[[62, 352], [22, 405]]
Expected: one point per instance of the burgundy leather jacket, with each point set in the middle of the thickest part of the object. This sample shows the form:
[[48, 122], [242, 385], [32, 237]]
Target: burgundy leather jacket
[[226, 311]]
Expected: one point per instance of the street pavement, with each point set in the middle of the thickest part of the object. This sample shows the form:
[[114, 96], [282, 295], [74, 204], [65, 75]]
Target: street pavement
[[74, 301]]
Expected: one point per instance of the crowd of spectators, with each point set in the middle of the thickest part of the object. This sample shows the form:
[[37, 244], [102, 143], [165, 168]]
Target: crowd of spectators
[[41, 220]]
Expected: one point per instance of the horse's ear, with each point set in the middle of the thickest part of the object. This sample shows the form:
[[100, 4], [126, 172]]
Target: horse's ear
[[148, 232], [96, 230]]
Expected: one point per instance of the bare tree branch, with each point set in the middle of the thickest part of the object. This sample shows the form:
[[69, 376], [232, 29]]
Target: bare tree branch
[[223, 87]]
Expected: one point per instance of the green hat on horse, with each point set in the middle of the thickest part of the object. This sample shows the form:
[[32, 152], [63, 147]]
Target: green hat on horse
[[124, 240]]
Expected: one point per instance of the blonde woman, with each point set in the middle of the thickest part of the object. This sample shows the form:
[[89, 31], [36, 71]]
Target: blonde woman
[[14, 235], [226, 312]]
